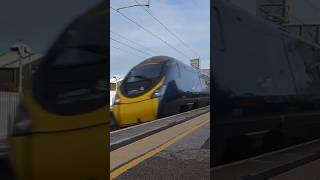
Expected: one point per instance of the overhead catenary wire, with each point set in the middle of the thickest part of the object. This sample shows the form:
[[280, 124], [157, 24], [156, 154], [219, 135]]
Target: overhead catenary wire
[[118, 48], [150, 32], [138, 50], [168, 30], [142, 46]]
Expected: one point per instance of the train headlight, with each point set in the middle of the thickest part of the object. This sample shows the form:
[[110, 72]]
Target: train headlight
[[23, 123], [116, 100], [159, 92]]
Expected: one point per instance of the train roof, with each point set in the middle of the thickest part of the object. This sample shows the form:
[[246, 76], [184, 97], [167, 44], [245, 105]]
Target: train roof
[[162, 59], [158, 59]]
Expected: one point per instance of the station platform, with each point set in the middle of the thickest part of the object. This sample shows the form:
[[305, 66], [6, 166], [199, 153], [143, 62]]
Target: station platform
[[293, 163], [181, 151], [119, 138]]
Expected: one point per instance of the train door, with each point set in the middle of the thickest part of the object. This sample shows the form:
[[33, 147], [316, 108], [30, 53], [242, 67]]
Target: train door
[[61, 129]]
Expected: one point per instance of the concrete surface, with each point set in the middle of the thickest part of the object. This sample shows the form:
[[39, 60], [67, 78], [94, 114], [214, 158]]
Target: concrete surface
[[188, 159]]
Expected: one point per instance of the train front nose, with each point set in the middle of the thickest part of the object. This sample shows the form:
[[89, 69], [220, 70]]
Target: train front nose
[[136, 111], [138, 98]]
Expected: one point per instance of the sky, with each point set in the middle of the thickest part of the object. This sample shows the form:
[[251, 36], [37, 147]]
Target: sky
[[189, 20], [37, 22]]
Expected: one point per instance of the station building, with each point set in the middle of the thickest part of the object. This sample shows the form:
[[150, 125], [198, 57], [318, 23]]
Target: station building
[[17, 66]]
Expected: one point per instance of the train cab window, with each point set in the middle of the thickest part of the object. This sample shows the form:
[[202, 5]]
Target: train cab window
[[72, 79], [141, 79], [148, 71]]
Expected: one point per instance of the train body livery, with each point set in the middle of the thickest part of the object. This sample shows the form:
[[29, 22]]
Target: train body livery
[[158, 87], [263, 76]]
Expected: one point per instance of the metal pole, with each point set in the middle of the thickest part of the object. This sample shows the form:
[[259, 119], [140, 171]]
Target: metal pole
[[20, 75]]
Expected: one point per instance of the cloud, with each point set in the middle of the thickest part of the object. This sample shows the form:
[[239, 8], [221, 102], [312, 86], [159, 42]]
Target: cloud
[[189, 20]]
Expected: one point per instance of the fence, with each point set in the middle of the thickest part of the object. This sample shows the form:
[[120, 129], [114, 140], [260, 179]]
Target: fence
[[8, 107]]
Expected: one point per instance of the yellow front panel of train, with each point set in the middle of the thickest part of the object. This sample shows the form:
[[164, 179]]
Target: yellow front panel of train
[[138, 109], [132, 113]]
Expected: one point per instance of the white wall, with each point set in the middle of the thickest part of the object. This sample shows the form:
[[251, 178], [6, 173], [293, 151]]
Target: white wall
[[8, 104]]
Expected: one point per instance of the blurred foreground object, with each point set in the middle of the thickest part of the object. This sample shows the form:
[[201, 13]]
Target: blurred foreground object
[[62, 123]]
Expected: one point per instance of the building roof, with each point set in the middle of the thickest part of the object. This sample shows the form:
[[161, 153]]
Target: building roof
[[12, 59], [115, 79]]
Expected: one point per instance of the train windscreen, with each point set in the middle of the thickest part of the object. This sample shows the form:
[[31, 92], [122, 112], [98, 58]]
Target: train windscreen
[[141, 79]]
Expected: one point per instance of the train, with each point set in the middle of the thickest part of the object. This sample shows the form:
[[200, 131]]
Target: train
[[158, 87], [61, 127], [266, 85]]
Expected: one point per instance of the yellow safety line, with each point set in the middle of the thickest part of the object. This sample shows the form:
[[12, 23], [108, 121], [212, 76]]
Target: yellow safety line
[[138, 160]]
